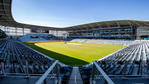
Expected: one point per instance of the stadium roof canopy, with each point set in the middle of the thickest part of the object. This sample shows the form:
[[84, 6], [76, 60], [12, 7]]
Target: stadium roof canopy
[[6, 19]]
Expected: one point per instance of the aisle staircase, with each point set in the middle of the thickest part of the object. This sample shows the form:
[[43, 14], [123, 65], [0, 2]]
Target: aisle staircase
[[75, 77]]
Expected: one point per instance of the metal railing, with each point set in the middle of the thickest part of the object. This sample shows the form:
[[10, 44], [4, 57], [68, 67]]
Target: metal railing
[[105, 76], [44, 76]]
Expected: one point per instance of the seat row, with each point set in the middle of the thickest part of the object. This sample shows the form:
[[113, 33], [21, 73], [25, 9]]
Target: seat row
[[17, 58], [132, 60]]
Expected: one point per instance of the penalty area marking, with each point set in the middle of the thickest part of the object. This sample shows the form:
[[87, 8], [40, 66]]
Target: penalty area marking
[[74, 43]]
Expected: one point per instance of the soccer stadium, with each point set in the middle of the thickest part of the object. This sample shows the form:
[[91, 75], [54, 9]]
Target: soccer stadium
[[104, 52]]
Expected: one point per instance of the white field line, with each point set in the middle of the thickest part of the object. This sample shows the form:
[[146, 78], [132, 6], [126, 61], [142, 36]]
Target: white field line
[[74, 43]]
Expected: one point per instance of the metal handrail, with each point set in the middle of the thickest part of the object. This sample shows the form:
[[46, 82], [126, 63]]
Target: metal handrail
[[106, 77], [44, 76]]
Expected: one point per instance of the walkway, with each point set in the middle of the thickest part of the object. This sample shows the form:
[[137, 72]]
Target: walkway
[[75, 77]]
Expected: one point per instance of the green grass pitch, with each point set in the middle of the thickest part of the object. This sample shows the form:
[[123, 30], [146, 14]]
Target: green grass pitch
[[74, 53]]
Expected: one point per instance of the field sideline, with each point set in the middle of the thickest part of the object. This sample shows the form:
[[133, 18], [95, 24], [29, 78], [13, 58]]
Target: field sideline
[[74, 53]]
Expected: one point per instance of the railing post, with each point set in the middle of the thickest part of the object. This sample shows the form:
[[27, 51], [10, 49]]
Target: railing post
[[106, 77]]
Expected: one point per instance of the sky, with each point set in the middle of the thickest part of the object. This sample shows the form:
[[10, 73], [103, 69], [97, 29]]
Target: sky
[[66, 13]]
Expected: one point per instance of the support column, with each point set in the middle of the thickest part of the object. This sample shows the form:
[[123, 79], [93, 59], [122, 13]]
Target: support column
[[5, 29], [23, 31], [56, 33], [16, 30]]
